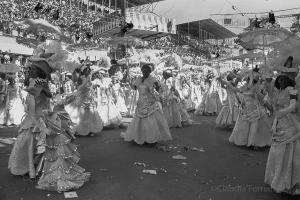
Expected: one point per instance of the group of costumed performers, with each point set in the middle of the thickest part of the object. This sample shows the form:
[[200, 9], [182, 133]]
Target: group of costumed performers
[[263, 110]]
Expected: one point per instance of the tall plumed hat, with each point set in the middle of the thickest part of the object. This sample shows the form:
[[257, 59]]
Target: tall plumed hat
[[49, 57]]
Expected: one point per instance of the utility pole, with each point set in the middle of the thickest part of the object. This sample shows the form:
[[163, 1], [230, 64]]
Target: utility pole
[[123, 8]]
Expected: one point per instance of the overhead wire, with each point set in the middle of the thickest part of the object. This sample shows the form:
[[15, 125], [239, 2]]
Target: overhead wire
[[258, 13], [236, 8]]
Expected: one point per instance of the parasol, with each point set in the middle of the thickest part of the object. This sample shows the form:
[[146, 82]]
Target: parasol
[[28, 42], [148, 57], [281, 54], [282, 51], [264, 37], [174, 60], [38, 25], [9, 68], [127, 41], [250, 56], [128, 61]]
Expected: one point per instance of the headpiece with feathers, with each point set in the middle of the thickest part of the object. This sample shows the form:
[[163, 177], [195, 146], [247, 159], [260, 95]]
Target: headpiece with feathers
[[52, 53]]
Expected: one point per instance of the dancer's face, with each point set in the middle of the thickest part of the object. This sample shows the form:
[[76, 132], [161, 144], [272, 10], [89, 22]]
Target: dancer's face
[[281, 82], [33, 71], [145, 71]]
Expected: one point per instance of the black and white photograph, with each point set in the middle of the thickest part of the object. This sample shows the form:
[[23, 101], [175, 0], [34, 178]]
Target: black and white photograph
[[150, 99]]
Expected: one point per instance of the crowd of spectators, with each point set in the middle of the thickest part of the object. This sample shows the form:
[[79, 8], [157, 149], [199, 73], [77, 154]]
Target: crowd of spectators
[[194, 52], [10, 58], [73, 17], [187, 54], [76, 22]]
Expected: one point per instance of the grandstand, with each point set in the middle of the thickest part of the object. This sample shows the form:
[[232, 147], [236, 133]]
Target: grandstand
[[144, 25], [206, 29], [128, 3], [206, 36]]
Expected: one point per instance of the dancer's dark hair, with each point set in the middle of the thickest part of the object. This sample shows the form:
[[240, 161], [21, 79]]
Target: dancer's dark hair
[[147, 67], [283, 82]]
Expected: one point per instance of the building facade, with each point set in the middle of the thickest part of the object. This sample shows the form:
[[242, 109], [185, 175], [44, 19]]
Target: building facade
[[235, 23]]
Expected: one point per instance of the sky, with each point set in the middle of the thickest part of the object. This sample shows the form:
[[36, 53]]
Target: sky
[[191, 10]]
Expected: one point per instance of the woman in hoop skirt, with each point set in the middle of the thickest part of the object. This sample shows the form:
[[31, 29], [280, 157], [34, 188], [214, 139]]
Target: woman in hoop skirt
[[44, 148], [149, 124], [283, 165]]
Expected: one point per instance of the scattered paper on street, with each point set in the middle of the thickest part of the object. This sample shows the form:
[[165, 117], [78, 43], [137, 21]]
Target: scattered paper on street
[[140, 164], [198, 149], [184, 163], [70, 195], [150, 171], [179, 157]]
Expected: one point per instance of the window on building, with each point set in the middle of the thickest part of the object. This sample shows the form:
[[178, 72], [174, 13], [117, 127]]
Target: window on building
[[227, 21]]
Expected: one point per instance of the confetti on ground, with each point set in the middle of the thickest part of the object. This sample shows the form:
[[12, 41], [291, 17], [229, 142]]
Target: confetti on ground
[[140, 164], [184, 163], [198, 149], [70, 195], [150, 171], [179, 157]]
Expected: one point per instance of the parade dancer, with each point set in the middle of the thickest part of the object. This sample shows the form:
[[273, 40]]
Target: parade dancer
[[44, 148], [283, 166], [119, 96], [229, 112], [170, 101], [106, 107], [3, 99], [82, 108], [15, 108], [252, 128], [149, 124]]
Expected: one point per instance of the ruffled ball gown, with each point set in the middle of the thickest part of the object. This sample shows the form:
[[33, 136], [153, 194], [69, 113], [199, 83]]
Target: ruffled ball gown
[[3, 102], [171, 104], [44, 146], [131, 100], [106, 108], [149, 124], [229, 112], [283, 164], [197, 95], [186, 92], [120, 99], [16, 109], [252, 127], [211, 103], [82, 110]]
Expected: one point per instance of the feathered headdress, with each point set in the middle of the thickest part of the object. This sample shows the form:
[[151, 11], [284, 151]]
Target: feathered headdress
[[105, 61], [51, 53]]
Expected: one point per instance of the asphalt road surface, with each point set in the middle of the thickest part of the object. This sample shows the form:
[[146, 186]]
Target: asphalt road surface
[[215, 170]]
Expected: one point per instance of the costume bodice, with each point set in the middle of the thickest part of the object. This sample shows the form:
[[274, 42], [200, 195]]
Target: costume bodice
[[282, 98], [287, 125], [12, 91], [146, 103], [145, 93], [36, 102]]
